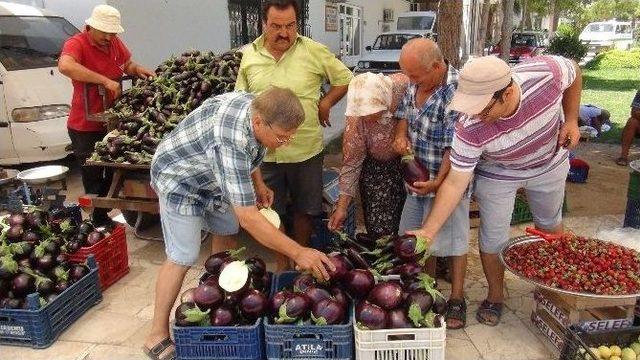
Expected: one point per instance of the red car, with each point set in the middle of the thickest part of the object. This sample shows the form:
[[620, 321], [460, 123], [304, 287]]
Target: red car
[[524, 45]]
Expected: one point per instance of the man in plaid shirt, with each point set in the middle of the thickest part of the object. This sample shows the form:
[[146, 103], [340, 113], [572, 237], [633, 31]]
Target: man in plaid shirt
[[206, 174], [425, 127]]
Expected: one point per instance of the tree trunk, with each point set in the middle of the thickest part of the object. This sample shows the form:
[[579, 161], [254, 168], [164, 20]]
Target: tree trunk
[[481, 38], [526, 16], [449, 25], [552, 15], [430, 5], [507, 29]]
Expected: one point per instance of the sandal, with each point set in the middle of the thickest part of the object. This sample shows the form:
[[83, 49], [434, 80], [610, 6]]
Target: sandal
[[489, 313], [622, 161], [155, 352], [457, 310]]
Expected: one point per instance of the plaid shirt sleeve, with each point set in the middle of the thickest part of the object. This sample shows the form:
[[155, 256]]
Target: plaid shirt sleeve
[[234, 168], [401, 111]]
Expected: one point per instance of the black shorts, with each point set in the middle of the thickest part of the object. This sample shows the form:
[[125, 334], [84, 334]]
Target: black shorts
[[636, 101], [301, 182]]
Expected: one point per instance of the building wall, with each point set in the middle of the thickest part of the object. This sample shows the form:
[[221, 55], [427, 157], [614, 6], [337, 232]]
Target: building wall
[[155, 29], [76, 11], [372, 20]]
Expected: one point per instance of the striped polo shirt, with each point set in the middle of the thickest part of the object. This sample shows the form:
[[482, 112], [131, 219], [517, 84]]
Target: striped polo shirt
[[524, 145]]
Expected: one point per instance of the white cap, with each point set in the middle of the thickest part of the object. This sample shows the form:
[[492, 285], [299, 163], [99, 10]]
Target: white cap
[[479, 79], [106, 19]]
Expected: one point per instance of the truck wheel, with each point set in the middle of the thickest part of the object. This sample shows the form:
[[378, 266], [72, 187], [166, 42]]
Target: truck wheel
[[147, 220]]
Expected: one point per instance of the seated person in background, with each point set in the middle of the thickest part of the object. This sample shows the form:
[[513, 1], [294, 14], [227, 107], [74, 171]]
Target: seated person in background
[[595, 117], [631, 131]]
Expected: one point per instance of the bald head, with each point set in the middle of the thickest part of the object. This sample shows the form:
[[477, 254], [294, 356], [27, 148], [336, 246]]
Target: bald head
[[422, 51]]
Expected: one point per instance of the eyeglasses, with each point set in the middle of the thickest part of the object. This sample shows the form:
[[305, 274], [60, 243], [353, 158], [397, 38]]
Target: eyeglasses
[[496, 96], [288, 27], [279, 139]]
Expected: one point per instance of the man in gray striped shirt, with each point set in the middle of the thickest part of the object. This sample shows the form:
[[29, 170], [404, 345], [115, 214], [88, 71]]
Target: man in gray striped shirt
[[518, 127]]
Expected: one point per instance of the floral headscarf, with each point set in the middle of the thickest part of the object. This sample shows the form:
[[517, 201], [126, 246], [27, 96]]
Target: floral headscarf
[[368, 94]]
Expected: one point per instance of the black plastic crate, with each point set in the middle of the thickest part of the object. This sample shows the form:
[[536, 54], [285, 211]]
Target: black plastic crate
[[577, 341]]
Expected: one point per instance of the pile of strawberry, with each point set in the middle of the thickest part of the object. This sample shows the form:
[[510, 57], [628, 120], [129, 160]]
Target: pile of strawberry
[[578, 264]]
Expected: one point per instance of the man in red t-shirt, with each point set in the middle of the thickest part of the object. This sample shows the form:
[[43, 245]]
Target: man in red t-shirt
[[95, 56]]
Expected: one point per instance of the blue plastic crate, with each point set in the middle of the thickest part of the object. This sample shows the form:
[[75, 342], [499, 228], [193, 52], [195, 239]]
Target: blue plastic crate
[[220, 342], [632, 214], [321, 237], [578, 175], [307, 342], [40, 327]]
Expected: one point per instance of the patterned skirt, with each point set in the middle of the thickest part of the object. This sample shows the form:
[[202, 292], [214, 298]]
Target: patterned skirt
[[382, 194]]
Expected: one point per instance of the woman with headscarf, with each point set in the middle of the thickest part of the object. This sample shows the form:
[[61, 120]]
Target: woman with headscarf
[[369, 161]]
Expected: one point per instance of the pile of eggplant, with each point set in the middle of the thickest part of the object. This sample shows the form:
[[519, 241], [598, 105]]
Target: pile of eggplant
[[153, 107], [232, 292], [387, 255], [308, 301], [33, 256], [410, 302]]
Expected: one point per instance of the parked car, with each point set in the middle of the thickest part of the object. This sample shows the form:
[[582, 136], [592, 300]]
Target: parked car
[[34, 95], [603, 36], [384, 55], [524, 45]]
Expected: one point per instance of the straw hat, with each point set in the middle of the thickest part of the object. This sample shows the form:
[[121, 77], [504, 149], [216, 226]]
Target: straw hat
[[106, 19]]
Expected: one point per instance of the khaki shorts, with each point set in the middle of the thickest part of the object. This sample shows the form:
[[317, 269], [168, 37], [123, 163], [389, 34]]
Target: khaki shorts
[[545, 194]]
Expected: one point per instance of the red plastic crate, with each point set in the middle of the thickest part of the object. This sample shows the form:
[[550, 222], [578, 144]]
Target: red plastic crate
[[111, 255]]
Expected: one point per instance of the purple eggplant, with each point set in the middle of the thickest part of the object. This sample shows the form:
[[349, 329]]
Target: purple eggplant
[[398, 319], [188, 314], [31, 236], [341, 264], [413, 170], [86, 227], [253, 304], [214, 263], [278, 299], [14, 233], [257, 267], [208, 295], [23, 285], [187, 295], [328, 312], [303, 281], [409, 248], [339, 295], [420, 297], [77, 272], [222, 316], [11, 303], [409, 271], [94, 237], [358, 283], [316, 294], [296, 307], [386, 294], [371, 316], [16, 219]]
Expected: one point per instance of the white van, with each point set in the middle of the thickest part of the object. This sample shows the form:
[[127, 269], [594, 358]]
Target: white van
[[34, 95], [607, 35], [419, 22]]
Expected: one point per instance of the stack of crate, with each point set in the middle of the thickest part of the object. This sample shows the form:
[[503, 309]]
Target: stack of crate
[[554, 312]]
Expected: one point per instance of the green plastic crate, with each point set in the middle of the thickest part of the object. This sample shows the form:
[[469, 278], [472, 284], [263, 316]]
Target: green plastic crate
[[633, 190], [522, 213]]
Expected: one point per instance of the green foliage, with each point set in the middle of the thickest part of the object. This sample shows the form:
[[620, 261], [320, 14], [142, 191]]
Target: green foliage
[[616, 59], [567, 45]]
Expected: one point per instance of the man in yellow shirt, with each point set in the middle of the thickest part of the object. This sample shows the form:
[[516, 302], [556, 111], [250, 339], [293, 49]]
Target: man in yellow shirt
[[281, 57]]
